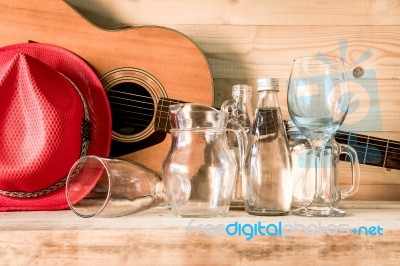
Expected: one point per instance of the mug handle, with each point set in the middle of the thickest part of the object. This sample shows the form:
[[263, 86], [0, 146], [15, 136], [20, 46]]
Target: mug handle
[[355, 170]]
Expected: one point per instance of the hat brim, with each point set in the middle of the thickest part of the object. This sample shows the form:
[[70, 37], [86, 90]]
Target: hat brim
[[83, 76]]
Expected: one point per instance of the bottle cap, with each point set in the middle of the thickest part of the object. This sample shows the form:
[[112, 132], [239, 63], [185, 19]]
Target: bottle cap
[[268, 84]]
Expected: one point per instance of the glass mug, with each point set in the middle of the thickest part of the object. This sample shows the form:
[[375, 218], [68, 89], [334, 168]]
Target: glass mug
[[200, 161], [304, 174]]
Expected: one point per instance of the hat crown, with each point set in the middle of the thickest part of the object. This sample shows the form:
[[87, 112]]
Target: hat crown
[[41, 116]]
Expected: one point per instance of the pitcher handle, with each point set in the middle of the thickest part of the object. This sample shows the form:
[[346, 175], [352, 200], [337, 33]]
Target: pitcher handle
[[355, 170], [241, 137], [229, 106]]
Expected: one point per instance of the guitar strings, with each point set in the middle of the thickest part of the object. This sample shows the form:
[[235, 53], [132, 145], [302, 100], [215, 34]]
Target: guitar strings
[[128, 111], [364, 146], [136, 125], [126, 121], [161, 111], [130, 94], [346, 140], [385, 143], [368, 156], [368, 148], [135, 113], [160, 124], [367, 143], [372, 154], [126, 99], [170, 101], [366, 136]]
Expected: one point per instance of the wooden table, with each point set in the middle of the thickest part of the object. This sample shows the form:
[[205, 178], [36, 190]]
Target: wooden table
[[156, 237]]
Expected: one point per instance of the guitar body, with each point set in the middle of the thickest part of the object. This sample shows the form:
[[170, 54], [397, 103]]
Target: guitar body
[[133, 64]]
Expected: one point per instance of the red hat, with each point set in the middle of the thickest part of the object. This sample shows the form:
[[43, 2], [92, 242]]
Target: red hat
[[53, 110]]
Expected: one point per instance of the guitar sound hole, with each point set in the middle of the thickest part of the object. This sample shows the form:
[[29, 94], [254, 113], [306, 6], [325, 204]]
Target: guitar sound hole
[[132, 108]]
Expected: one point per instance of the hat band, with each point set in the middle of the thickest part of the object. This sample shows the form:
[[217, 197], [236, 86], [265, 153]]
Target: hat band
[[86, 127]]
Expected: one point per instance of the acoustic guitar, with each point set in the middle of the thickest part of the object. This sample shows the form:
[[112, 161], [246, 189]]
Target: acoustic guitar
[[141, 68]]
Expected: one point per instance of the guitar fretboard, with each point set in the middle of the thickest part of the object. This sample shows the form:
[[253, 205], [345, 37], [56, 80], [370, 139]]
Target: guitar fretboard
[[162, 114], [371, 150]]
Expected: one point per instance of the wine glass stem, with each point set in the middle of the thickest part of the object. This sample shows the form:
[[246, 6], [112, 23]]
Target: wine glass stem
[[318, 173]]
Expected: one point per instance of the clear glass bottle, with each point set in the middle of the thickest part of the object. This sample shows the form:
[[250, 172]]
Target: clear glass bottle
[[268, 159], [240, 110], [240, 106]]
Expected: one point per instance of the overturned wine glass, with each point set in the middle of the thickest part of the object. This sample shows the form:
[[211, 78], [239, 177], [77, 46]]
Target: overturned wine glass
[[105, 187]]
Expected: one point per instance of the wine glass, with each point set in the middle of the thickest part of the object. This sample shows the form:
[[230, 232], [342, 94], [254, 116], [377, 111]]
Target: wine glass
[[318, 101], [105, 187]]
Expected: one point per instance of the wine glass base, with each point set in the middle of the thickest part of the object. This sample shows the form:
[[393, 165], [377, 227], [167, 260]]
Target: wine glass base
[[311, 211]]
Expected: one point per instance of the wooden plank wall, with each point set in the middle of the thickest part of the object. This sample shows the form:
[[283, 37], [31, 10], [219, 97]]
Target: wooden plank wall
[[247, 40]]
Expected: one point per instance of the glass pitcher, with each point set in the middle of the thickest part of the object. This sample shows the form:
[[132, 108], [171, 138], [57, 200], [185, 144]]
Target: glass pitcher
[[200, 170], [303, 174]]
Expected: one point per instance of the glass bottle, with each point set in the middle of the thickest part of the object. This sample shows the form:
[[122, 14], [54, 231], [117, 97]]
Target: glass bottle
[[240, 106], [268, 159], [240, 111]]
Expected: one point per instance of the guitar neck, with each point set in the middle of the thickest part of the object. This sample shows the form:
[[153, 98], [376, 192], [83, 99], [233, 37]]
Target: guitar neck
[[162, 114], [371, 150]]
